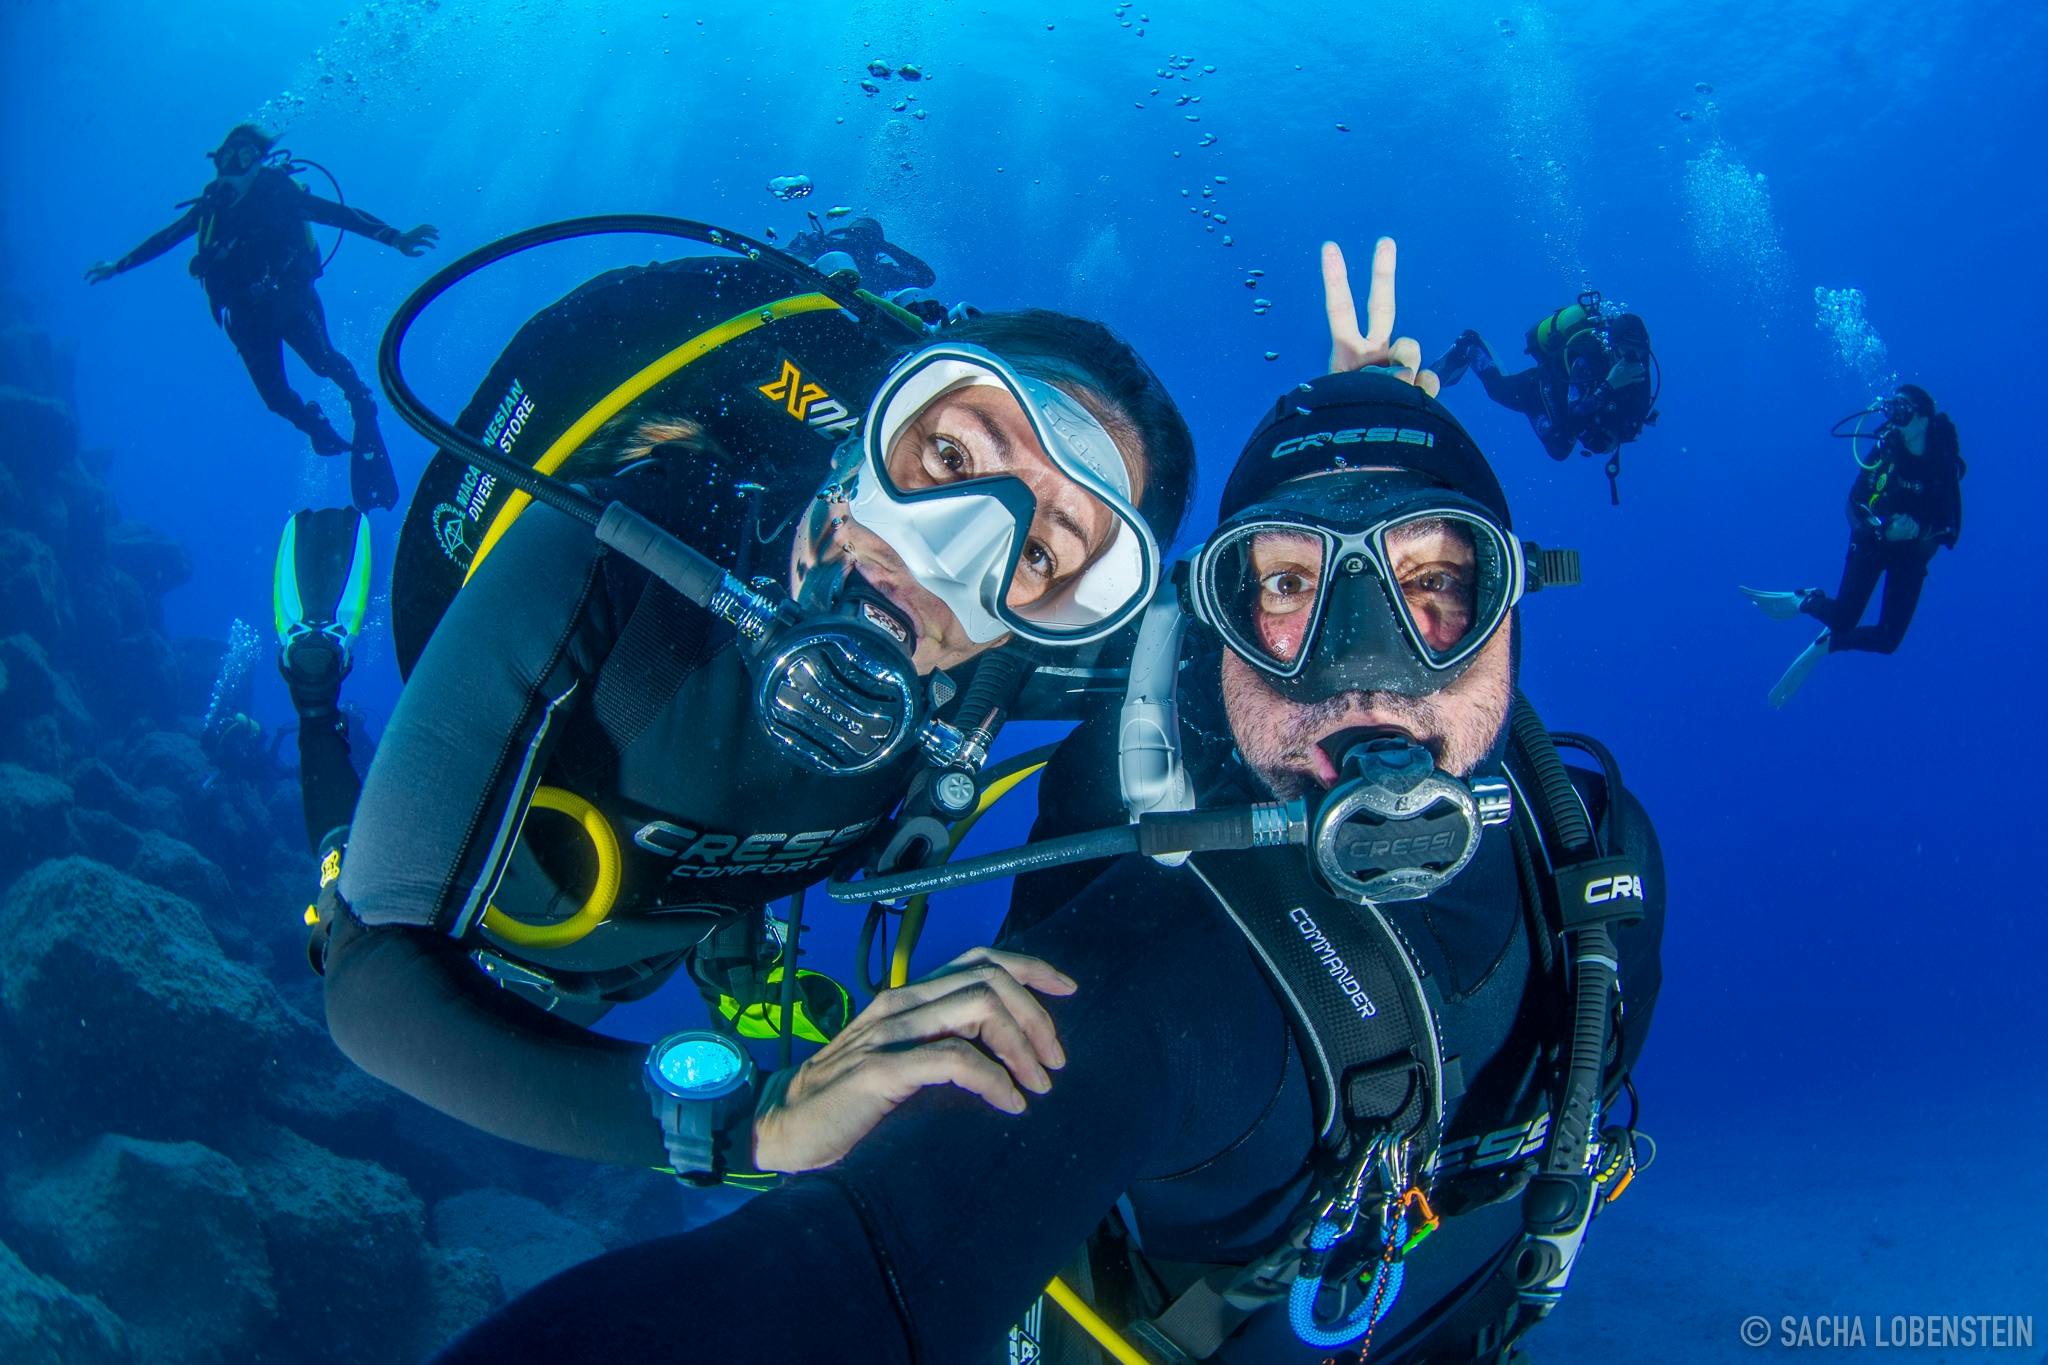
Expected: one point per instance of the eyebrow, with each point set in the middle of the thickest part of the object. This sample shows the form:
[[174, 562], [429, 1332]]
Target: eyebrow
[[996, 435]]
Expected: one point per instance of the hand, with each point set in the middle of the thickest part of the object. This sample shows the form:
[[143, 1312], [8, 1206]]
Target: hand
[[416, 242], [100, 271], [1902, 527], [1348, 349], [911, 1037], [1624, 374]]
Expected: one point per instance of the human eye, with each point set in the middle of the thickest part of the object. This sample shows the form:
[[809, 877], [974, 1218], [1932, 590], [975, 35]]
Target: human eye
[[1039, 561], [945, 460], [1285, 590]]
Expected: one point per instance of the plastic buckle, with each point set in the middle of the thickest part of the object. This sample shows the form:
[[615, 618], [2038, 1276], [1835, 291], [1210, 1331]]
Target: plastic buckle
[[1414, 1203]]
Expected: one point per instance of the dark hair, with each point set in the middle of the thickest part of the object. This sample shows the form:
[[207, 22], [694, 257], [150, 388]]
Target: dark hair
[[1109, 378], [260, 138], [1922, 401], [1631, 328]]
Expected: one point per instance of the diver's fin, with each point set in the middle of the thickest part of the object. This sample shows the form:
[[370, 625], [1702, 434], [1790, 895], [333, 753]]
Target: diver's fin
[[371, 483], [1795, 676], [319, 594], [1451, 366], [1779, 606], [322, 583]]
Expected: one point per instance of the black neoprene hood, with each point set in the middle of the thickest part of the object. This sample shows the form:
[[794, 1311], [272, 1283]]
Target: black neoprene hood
[[1360, 420]]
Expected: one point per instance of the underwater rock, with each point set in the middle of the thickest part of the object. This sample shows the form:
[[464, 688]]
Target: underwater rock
[[525, 1239], [342, 1234], [100, 787], [462, 1289], [158, 1023], [170, 760], [33, 595], [155, 561], [135, 676], [31, 361], [626, 1207], [180, 869], [99, 1222], [328, 1099], [102, 837], [43, 1323], [38, 435], [43, 721], [32, 825]]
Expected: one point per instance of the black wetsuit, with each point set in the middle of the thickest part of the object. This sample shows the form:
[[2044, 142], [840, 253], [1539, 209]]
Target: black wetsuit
[[546, 670], [1183, 1089], [1569, 408], [258, 261], [1926, 487], [884, 267]]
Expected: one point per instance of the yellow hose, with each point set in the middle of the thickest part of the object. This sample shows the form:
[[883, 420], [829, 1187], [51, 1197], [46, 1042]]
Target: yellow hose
[[604, 842], [913, 911], [616, 401], [1091, 1322]]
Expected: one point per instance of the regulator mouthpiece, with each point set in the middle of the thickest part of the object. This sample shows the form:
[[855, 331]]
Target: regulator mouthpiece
[[1394, 827]]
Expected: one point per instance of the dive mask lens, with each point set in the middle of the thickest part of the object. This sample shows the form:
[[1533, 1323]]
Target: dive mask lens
[[1266, 583], [1005, 498], [1393, 606]]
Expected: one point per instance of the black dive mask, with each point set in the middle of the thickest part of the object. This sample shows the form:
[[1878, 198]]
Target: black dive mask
[[1366, 583], [1395, 827], [1900, 410]]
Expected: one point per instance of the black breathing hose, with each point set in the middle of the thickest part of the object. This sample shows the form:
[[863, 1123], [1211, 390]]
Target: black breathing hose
[[1592, 956], [1155, 835], [633, 535], [542, 489]]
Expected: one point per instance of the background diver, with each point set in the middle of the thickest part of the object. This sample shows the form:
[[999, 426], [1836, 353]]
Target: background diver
[[1182, 1087], [883, 267], [1906, 503], [1594, 384], [258, 261]]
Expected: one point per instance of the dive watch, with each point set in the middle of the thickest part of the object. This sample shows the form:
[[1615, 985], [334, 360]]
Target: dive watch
[[701, 1083]]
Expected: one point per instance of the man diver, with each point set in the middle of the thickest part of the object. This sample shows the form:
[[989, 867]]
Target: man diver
[[1590, 387], [1357, 613], [1004, 497], [258, 261], [1906, 503], [882, 265]]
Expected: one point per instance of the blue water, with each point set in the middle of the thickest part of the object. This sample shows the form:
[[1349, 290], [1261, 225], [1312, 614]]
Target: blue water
[[1852, 1009]]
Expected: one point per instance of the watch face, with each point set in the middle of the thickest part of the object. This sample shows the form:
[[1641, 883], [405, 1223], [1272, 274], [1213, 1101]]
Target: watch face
[[700, 1066]]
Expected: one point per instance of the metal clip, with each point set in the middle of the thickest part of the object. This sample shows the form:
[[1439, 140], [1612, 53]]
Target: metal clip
[[1344, 1204]]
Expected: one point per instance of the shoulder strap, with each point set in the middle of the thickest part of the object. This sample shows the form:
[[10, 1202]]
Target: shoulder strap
[[1362, 1003]]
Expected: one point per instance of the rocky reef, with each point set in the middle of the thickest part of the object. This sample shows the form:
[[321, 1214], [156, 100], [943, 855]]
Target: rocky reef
[[189, 1170]]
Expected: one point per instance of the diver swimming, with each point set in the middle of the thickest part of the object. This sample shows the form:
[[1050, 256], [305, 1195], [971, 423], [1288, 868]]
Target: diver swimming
[[258, 263], [1594, 386], [1906, 503]]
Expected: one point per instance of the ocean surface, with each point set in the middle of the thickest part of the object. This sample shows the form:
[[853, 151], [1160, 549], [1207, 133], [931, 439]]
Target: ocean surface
[[1805, 201]]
